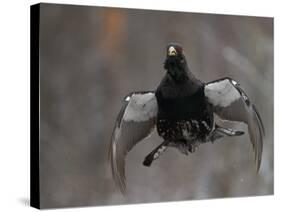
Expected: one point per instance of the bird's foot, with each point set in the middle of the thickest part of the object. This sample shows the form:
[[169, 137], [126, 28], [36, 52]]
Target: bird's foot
[[148, 160], [155, 154]]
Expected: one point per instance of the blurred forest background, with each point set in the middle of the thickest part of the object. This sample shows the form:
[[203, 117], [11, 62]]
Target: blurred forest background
[[91, 57]]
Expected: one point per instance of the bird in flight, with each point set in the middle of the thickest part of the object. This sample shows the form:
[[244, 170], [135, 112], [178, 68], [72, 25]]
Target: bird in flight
[[184, 110]]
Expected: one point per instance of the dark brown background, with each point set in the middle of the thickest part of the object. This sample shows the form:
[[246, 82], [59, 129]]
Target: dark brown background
[[91, 57]]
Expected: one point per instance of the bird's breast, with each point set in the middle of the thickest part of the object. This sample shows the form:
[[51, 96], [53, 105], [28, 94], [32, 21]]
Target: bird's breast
[[181, 107], [184, 117]]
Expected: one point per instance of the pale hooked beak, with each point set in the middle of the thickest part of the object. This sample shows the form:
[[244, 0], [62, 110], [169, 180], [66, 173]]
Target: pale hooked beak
[[172, 51]]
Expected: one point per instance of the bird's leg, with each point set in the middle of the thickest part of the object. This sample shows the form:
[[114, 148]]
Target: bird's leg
[[220, 132], [155, 153], [229, 132]]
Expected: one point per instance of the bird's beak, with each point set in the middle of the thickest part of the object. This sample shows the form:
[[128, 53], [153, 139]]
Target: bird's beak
[[172, 51]]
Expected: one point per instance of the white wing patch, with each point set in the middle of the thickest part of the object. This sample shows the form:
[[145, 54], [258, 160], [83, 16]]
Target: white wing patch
[[141, 107], [127, 98], [222, 93]]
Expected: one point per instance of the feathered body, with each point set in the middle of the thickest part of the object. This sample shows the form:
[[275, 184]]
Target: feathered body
[[182, 108], [184, 116]]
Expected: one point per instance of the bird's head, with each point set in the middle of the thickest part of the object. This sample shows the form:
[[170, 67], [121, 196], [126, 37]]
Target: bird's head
[[175, 62]]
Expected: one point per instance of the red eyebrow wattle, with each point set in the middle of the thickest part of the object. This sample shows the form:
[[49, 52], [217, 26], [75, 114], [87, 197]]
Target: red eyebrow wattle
[[178, 49]]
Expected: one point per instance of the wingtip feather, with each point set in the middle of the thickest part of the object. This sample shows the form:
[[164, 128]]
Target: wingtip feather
[[257, 133]]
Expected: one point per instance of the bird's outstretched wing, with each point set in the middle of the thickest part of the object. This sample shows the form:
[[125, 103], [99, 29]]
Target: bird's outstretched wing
[[136, 120], [231, 103]]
